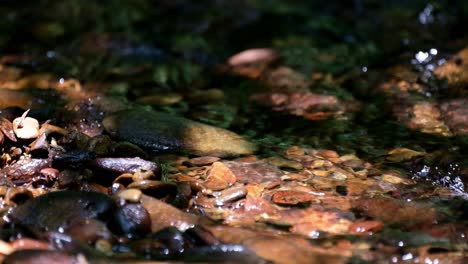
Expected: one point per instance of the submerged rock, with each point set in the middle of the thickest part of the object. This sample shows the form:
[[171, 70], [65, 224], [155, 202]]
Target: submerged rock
[[422, 116], [455, 113], [455, 71], [160, 132]]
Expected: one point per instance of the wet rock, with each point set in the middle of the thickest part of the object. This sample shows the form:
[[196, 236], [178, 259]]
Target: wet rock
[[130, 150], [159, 132], [285, 249], [125, 165], [284, 163], [395, 179], [254, 172], [229, 195], [24, 170], [192, 246], [289, 197], [88, 230], [222, 252], [86, 115], [455, 114], [200, 161], [396, 212], [17, 195], [43, 257], [172, 238], [70, 179], [219, 177], [289, 250], [311, 106], [28, 243], [164, 215], [422, 116], [133, 220], [73, 159], [455, 71], [156, 189], [60, 209], [131, 195], [160, 99], [311, 221], [366, 227]]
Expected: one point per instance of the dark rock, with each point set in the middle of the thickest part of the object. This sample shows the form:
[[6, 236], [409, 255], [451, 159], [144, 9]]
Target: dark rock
[[133, 219], [87, 114], [160, 132], [172, 238], [455, 113], [149, 130], [73, 159], [70, 179], [60, 209]]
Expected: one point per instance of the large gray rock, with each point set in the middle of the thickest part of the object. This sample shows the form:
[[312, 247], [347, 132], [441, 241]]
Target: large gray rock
[[160, 132]]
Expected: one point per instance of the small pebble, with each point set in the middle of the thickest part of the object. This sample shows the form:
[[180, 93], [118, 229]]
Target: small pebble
[[103, 246], [284, 163], [321, 173], [393, 179], [327, 154], [201, 161], [3, 190], [339, 176], [295, 150], [131, 195], [317, 164]]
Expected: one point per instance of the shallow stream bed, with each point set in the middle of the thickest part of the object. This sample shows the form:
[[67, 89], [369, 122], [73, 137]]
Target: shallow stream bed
[[233, 131]]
